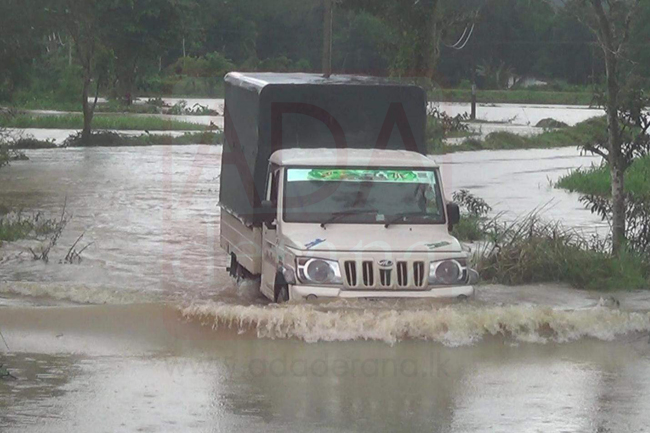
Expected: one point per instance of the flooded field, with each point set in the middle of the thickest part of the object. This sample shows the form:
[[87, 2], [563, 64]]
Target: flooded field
[[155, 209], [516, 118], [150, 334]]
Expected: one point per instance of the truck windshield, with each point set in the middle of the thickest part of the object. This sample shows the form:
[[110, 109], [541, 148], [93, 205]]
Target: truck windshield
[[330, 195]]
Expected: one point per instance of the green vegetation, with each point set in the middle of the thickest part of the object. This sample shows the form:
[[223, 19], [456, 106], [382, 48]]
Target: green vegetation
[[184, 47], [530, 251], [117, 122], [472, 225], [582, 134], [597, 180], [515, 96], [441, 126], [111, 139], [16, 225], [8, 152], [32, 143]]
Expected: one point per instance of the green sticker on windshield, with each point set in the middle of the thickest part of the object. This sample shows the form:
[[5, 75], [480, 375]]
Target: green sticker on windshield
[[351, 175]]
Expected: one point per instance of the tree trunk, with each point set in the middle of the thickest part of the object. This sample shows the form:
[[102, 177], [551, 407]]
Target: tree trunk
[[327, 39], [431, 48], [616, 161], [607, 39], [88, 108], [88, 114], [618, 207]]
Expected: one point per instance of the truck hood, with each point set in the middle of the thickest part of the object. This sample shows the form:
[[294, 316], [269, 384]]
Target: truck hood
[[359, 237]]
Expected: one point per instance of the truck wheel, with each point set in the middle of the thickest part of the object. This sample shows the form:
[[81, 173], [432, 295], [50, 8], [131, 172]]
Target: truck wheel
[[283, 295], [232, 269], [281, 290], [236, 270]]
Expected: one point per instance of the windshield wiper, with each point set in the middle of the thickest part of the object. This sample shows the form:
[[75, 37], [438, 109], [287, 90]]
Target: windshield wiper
[[394, 218], [338, 215]]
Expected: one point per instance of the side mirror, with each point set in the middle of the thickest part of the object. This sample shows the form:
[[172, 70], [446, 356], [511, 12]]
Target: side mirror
[[269, 212], [453, 213]]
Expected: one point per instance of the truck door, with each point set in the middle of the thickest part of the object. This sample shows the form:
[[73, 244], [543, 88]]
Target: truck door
[[269, 237]]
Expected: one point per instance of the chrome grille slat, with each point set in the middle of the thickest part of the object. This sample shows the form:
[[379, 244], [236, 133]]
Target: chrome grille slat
[[418, 274], [368, 274], [351, 273], [402, 274]]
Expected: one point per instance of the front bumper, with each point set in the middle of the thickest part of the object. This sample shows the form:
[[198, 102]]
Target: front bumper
[[298, 292]]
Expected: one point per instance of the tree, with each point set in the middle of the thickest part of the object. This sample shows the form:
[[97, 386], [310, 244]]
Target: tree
[[422, 26], [85, 22], [612, 22], [21, 32], [142, 30]]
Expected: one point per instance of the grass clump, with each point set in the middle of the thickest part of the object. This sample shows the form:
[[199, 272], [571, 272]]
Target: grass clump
[[587, 132], [156, 106], [112, 139], [596, 180], [531, 251], [16, 225], [32, 143], [115, 122], [516, 96]]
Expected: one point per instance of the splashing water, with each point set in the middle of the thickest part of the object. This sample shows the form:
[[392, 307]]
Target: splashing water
[[457, 325]]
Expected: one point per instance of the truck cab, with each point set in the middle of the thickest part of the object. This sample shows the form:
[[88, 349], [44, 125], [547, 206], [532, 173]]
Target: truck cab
[[354, 221]]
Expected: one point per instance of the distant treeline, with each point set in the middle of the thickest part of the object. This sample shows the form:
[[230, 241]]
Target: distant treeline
[[50, 48]]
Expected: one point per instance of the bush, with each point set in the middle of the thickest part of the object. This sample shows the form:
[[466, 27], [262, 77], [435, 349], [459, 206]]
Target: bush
[[474, 211], [551, 123], [211, 65], [33, 143], [8, 152]]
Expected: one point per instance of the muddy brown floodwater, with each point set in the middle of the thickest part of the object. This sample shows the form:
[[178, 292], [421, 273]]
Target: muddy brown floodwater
[[148, 333]]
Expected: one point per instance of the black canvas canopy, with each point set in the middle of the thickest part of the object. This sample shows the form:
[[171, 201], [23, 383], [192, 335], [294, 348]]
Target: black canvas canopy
[[266, 112]]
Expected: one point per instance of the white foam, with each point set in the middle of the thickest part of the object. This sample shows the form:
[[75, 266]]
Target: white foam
[[454, 325]]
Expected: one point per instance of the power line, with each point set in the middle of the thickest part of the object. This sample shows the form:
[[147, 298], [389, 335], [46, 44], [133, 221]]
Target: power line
[[467, 40]]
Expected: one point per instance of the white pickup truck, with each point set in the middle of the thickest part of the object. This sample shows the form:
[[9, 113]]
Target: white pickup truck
[[315, 219]]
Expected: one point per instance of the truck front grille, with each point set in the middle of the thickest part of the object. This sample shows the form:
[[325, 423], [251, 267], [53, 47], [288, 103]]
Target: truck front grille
[[404, 275]]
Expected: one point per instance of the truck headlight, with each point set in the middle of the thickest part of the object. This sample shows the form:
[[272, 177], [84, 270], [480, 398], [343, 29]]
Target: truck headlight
[[448, 272], [319, 271]]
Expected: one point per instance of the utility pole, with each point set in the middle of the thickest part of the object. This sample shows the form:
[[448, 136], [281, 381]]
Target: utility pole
[[327, 39], [473, 113]]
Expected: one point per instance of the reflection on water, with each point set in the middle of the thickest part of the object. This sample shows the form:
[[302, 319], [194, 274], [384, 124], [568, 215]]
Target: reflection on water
[[209, 381]]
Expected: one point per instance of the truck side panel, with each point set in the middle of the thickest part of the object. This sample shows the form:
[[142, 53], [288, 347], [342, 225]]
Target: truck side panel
[[243, 240]]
